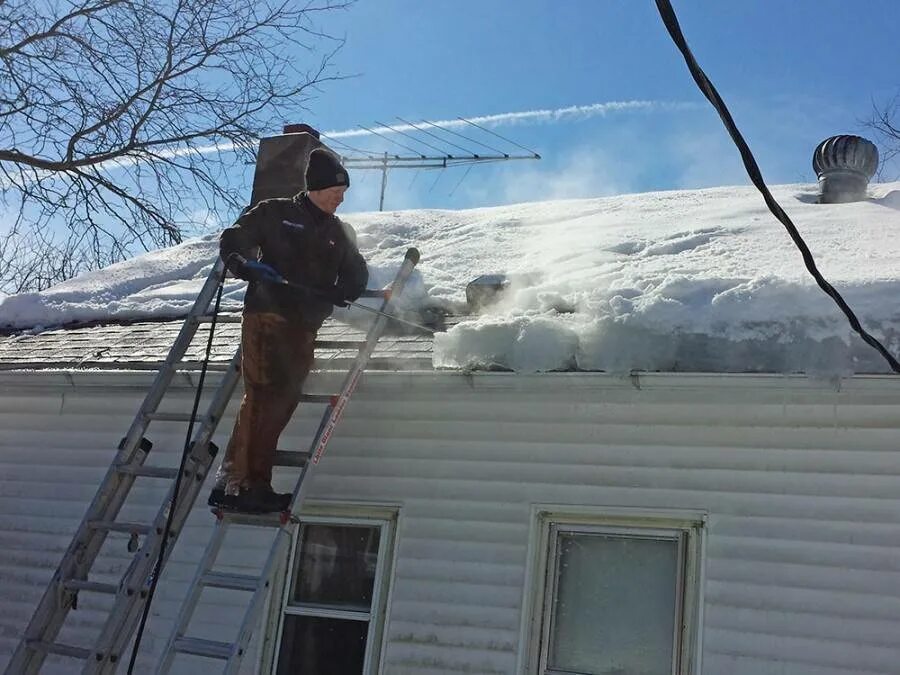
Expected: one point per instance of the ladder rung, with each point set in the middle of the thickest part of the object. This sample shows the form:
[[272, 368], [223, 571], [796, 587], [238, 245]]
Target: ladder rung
[[291, 458], [59, 648], [169, 416], [112, 526], [234, 582], [255, 519], [340, 344], [317, 398], [201, 647], [148, 471], [94, 586]]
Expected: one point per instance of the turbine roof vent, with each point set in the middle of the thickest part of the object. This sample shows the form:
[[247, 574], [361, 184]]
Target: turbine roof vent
[[844, 164]]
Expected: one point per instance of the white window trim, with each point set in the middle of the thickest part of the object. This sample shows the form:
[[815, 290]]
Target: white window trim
[[384, 516], [546, 517]]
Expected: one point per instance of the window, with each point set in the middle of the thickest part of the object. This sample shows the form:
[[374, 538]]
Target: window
[[330, 615], [616, 595]]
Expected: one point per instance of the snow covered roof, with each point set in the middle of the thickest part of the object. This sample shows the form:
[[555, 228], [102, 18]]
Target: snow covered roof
[[699, 280]]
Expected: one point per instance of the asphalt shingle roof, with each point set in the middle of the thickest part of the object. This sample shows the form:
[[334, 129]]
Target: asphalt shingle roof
[[144, 346]]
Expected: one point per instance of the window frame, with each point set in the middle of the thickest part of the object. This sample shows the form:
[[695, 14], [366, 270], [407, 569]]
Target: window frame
[[686, 529], [385, 518]]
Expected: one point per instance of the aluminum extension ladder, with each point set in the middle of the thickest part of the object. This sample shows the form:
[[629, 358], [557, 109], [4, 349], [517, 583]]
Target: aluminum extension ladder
[[130, 594], [232, 653]]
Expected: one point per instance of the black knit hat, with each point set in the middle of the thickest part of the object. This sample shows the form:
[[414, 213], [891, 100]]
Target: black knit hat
[[324, 170]]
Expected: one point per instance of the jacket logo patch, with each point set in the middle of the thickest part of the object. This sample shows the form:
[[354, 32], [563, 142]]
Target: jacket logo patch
[[331, 242], [299, 226]]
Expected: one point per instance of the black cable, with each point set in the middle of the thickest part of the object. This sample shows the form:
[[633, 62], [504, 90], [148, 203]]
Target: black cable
[[157, 568], [671, 21]]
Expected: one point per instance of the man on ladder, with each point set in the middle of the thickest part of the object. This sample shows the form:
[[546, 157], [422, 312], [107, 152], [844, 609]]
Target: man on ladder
[[280, 247]]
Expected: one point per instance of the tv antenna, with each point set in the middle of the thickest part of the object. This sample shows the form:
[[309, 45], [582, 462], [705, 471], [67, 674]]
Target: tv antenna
[[427, 145]]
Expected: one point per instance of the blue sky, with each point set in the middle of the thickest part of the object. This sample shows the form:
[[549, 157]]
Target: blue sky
[[792, 72]]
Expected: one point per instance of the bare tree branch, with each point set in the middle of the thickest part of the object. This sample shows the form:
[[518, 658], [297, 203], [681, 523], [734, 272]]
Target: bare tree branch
[[885, 122], [109, 108]]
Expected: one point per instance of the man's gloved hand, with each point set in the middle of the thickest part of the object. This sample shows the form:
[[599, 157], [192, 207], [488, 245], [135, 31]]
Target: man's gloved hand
[[337, 296], [257, 271]]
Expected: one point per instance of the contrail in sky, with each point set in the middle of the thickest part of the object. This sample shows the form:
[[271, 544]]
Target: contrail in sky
[[570, 113]]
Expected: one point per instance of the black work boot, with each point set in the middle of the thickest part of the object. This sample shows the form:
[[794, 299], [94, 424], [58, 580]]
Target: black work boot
[[219, 499], [263, 499], [260, 499]]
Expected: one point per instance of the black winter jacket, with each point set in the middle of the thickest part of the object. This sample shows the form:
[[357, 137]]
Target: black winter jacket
[[306, 246]]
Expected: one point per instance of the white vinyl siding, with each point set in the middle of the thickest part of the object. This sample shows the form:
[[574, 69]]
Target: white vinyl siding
[[800, 478]]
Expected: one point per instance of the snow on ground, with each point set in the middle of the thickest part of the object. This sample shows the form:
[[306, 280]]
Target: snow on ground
[[701, 280]]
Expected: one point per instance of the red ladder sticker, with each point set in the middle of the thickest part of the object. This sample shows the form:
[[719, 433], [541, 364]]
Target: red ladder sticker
[[336, 413]]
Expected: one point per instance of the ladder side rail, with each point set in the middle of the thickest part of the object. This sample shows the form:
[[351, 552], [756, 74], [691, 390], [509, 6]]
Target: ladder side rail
[[329, 420], [206, 563], [129, 603], [54, 605], [176, 352], [336, 410], [279, 550], [86, 543], [204, 566], [121, 484]]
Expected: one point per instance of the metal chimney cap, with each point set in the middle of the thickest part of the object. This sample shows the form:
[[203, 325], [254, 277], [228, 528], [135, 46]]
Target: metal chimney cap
[[300, 128]]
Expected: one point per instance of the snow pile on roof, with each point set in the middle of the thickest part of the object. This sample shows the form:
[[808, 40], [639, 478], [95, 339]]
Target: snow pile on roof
[[703, 280], [160, 284]]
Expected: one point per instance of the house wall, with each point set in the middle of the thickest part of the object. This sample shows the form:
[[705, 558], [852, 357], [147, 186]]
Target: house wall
[[800, 481]]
